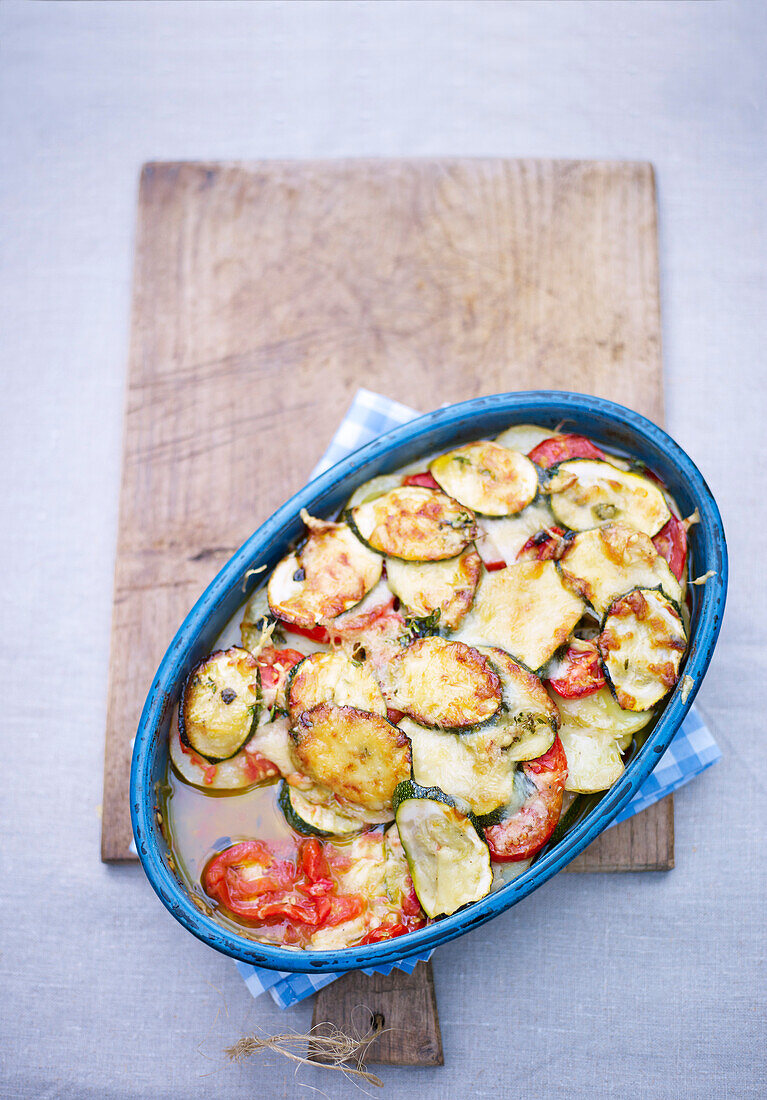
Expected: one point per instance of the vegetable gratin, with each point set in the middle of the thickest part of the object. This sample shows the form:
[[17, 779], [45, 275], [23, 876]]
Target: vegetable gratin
[[422, 687]]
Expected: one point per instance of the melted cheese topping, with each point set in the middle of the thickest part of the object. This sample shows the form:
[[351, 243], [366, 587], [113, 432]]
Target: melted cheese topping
[[332, 572], [332, 677], [487, 478], [586, 492], [444, 683], [609, 561], [524, 609], [444, 586], [360, 757], [642, 644], [415, 524]]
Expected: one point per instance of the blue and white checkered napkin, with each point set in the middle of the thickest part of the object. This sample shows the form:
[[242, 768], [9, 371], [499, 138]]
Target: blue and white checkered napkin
[[691, 752]]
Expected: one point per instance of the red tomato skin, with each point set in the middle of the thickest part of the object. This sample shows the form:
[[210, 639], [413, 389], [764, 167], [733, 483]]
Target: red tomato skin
[[582, 677], [559, 448], [257, 767], [315, 633], [273, 661], [494, 566], [671, 544], [545, 549], [394, 715], [425, 480], [524, 834]]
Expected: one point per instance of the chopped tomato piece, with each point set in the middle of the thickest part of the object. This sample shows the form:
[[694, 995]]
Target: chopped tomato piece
[[251, 882], [671, 544], [493, 566], [257, 767], [425, 480], [394, 715], [560, 448], [315, 633], [525, 832], [582, 674], [385, 932], [544, 544], [274, 663]]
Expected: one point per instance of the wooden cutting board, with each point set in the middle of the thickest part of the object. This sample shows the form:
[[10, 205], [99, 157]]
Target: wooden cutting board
[[265, 294]]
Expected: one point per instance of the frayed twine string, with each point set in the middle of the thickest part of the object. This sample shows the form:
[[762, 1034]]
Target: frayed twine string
[[330, 1048]]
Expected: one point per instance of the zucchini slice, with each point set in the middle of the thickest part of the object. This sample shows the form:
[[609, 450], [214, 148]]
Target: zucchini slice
[[313, 818], [332, 677], [376, 487], [487, 478], [594, 760], [472, 768], [642, 643], [220, 704], [600, 715], [449, 861], [524, 437], [361, 757], [502, 539], [443, 683], [332, 572], [528, 724], [608, 561], [524, 609], [444, 586], [245, 769], [585, 492], [414, 523]]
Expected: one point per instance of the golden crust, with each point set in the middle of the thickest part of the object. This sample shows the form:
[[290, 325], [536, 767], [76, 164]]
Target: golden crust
[[361, 757], [331, 573], [491, 479], [444, 683], [415, 524], [444, 586]]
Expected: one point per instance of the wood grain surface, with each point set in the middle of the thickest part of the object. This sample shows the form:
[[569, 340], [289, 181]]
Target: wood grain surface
[[403, 1007], [265, 294]]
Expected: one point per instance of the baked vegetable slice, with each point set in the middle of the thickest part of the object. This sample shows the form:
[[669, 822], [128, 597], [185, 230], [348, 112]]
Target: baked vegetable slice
[[523, 437], [609, 561], [220, 704], [594, 761], [359, 756], [520, 831], [414, 523], [599, 714], [333, 677], [472, 768], [449, 862], [488, 478], [501, 540], [585, 492], [314, 818], [524, 609], [440, 682], [444, 586], [642, 643], [332, 572], [528, 723], [245, 769]]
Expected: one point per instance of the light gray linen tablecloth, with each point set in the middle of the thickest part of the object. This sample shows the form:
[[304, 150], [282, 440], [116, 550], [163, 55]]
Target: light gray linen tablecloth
[[597, 986]]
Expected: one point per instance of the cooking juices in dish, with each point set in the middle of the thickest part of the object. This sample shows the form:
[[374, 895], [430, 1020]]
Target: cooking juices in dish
[[422, 684]]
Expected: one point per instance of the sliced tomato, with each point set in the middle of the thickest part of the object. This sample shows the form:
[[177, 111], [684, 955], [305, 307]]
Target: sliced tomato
[[544, 545], [522, 835], [561, 447], [394, 716], [425, 480], [257, 767], [582, 674], [385, 932], [671, 544], [493, 566], [274, 663], [315, 633]]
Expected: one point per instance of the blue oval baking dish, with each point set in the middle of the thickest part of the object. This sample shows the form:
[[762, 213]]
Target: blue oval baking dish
[[615, 426]]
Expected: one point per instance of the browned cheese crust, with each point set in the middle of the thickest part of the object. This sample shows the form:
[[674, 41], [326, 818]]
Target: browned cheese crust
[[361, 757]]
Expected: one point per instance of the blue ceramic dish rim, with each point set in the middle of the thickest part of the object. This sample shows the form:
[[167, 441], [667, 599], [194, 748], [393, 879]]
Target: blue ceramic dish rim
[[530, 406]]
